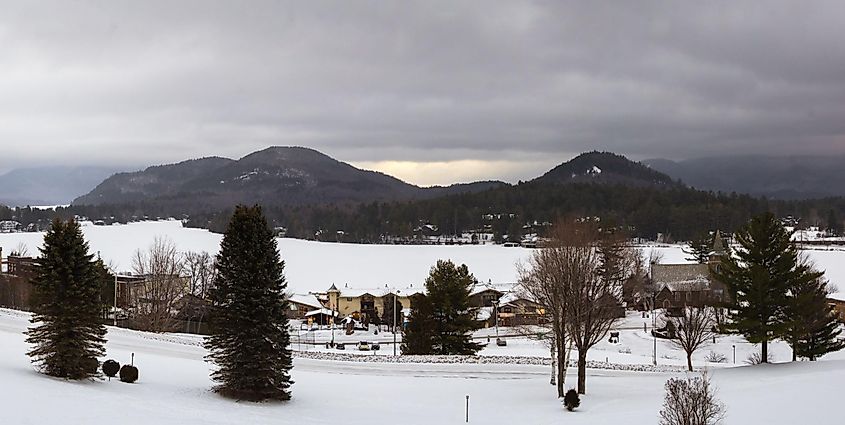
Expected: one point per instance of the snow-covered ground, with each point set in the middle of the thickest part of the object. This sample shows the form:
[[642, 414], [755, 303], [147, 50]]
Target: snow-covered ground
[[314, 266], [174, 389], [174, 385], [309, 266]]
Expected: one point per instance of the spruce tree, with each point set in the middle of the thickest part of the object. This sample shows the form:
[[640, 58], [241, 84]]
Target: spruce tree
[[699, 249], [813, 328], [448, 290], [418, 338], [249, 339], [759, 277], [68, 336]]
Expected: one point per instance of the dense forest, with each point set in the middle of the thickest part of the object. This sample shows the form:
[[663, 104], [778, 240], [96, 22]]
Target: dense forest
[[677, 212]]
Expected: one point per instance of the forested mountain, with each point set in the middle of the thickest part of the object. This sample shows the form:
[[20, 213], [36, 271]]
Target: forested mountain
[[49, 185], [314, 196], [273, 176], [607, 168], [793, 177]]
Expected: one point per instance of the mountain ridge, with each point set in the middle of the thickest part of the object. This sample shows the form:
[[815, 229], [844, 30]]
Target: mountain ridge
[[790, 178]]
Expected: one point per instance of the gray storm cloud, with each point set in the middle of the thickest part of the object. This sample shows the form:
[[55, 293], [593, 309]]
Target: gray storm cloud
[[500, 89]]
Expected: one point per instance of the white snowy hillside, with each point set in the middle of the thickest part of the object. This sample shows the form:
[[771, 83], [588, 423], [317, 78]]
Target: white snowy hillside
[[174, 388]]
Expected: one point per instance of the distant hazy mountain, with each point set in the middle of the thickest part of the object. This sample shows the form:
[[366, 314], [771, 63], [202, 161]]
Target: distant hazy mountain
[[605, 168], [273, 176], [798, 177], [49, 185]]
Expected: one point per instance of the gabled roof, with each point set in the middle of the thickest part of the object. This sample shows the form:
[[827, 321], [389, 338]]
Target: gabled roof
[[309, 300], [668, 273]]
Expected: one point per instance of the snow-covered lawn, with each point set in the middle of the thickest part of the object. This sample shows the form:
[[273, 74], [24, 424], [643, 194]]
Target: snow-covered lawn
[[174, 389]]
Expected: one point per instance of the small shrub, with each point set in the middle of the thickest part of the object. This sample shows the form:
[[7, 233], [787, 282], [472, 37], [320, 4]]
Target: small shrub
[[128, 374], [571, 400], [757, 358], [110, 368], [714, 357], [691, 401], [91, 365]]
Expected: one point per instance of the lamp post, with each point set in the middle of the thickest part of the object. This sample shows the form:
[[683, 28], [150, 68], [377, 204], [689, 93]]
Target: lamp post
[[496, 316], [734, 346], [653, 327], [395, 301]]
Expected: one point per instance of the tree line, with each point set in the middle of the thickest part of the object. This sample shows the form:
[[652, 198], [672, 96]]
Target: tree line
[[677, 212]]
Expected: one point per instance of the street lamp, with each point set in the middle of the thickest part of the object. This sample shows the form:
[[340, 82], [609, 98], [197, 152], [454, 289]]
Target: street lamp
[[395, 301], [496, 316]]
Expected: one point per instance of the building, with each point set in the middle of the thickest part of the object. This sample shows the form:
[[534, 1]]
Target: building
[[15, 281], [837, 302], [515, 310], [680, 285]]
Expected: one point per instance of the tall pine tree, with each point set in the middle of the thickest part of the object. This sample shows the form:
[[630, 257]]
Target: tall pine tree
[[759, 277], [448, 290], [813, 328], [249, 339], [68, 336]]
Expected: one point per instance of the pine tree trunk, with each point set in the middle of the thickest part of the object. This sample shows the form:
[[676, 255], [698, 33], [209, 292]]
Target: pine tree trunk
[[582, 371], [765, 353]]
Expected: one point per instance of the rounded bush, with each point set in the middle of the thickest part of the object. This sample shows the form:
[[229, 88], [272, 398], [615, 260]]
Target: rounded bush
[[110, 368], [91, 365], [571, 400], [128, 374]]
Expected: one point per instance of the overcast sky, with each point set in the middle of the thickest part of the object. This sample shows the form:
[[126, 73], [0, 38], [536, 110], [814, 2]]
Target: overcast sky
[[434, 92]]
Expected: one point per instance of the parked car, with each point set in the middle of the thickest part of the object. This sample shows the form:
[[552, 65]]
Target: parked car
[[340, 346], [375, 346], [363, 346]]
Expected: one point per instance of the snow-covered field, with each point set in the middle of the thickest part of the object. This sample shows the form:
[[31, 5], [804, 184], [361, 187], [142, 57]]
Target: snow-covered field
[[174, 385], [174, 389], [309, 266], [314, 266]]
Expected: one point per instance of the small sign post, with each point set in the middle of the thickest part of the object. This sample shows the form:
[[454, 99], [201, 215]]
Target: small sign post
[[467, 419]]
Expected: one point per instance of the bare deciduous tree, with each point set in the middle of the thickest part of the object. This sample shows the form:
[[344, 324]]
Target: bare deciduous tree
[[593, 288], [156, 297], [691, 401], [695, 328], [578, 278], [202, 271], [541, 281]]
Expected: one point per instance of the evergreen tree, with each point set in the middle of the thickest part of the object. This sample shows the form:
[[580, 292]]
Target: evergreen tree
[[67, 335], [813, 328], [759, 277], [448, 290], [699, 249], [249, 337], [418, 338]]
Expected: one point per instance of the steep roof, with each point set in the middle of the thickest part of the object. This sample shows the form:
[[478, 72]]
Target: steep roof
[[309, 300], [681, 276], [718, 245]]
